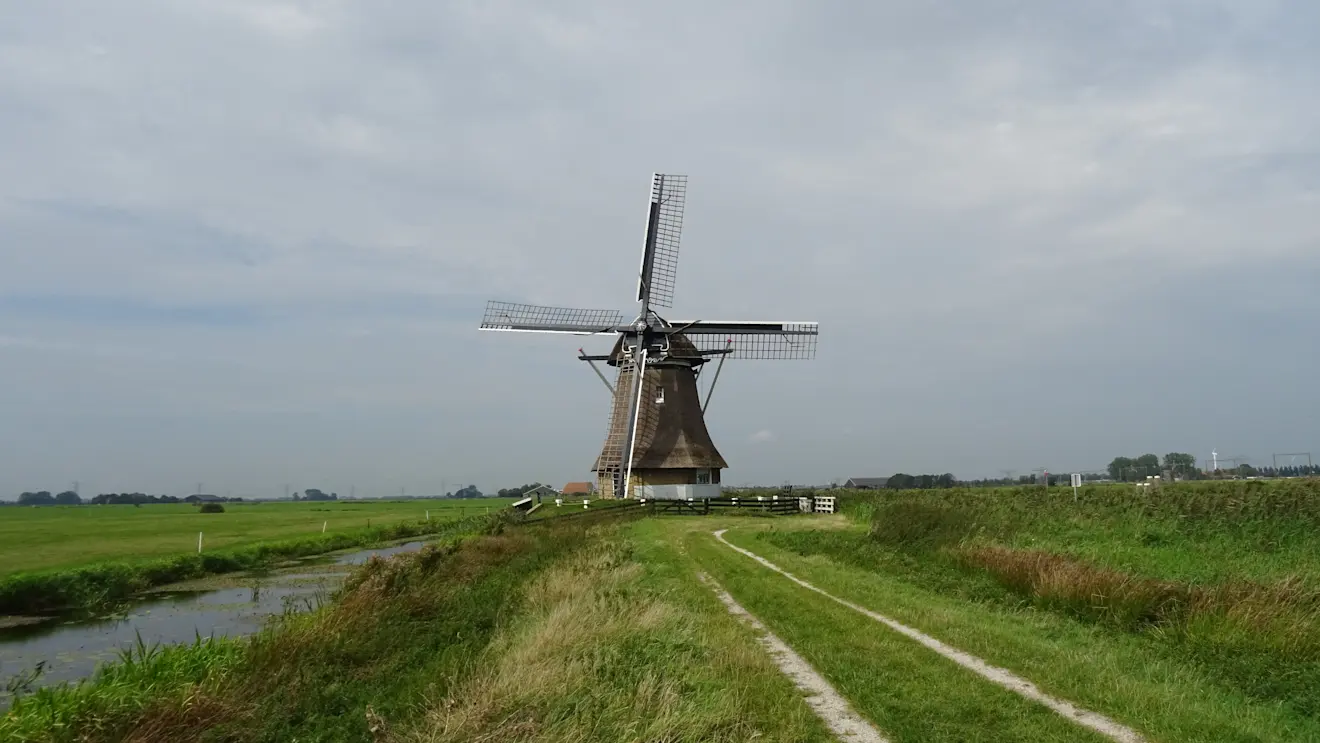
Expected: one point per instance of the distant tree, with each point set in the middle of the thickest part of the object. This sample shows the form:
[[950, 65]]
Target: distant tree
[[517, 492], [1119, 468], [316, 494], [1147, 464], [1179, 463], [39, 498], [901, 481], [468, 492], [68, 498]]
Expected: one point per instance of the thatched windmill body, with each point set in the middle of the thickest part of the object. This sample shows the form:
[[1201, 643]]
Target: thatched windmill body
[[657, 445]]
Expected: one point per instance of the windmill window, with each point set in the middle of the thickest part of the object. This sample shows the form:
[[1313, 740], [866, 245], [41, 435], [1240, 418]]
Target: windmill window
[[703, 478], [660, 395]]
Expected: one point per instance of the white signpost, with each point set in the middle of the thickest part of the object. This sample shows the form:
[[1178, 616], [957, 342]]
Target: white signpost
[[1076, 483]]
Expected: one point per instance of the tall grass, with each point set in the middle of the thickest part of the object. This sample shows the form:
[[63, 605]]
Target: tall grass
[[1225, 575], [614, 646], [105, 583]]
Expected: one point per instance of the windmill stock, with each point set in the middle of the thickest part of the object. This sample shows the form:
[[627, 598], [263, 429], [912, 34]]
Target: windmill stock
[[656, 443]]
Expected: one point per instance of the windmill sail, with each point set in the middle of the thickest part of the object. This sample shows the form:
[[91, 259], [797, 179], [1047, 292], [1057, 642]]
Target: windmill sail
[[753, 340], [664, 226], [535, 318]]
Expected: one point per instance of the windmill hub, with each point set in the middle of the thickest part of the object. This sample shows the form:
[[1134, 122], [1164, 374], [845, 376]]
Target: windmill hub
[[657, 445]]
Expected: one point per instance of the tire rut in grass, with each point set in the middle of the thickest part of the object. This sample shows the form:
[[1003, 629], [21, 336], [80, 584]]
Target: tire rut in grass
[[999, 676]]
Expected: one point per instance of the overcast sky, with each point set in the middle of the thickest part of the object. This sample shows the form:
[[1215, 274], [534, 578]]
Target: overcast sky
[[248, 243]]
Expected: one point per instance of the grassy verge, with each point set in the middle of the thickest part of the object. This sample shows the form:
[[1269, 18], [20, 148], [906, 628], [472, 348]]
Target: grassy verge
[[104, 583], [621, 643], [1222, 576], [400, 631], [1128, 676]]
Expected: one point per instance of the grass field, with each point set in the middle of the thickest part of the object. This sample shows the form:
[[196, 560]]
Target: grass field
[[1220, 578], [1185, 615], [47, 537], [559, 632]]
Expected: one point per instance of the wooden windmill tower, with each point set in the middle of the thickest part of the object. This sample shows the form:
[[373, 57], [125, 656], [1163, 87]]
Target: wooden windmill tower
[[657, 445]]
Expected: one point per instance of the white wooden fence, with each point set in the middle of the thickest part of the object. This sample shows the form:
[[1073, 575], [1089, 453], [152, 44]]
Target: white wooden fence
[[817, 504]]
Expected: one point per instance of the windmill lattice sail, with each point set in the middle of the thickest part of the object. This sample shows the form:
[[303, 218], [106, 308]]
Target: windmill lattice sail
[[537, 318], [664, 227]]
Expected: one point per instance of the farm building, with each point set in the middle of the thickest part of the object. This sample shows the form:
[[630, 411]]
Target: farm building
[[202, 498], [578, 488], [541, 491], [866, 483]]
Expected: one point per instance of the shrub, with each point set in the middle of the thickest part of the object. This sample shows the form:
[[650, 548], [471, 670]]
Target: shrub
[[212, 508]]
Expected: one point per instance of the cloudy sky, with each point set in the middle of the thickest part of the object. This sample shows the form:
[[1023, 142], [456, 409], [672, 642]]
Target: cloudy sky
[[247, 243]]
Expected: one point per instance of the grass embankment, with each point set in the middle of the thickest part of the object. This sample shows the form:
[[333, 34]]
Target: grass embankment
[[103, 583], [561, 632], [1223, 578], [622, 643], [52, 537], [574, 509], [399, 631]]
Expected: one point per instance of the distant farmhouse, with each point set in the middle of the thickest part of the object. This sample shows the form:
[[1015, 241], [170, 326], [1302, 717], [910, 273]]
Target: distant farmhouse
[[867, 483], [203, 498], [579, 488]]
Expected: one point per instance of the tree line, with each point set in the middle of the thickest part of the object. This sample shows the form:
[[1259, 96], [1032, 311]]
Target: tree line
[[70, 498], [517, 492], [903, 481]]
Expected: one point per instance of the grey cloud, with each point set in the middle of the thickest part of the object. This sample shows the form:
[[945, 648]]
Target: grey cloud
[[998, 211]]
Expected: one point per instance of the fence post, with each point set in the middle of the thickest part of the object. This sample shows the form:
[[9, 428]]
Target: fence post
[[199, 543]]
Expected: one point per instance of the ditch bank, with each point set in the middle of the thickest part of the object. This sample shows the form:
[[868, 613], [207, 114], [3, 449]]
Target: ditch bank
[[103, 585]]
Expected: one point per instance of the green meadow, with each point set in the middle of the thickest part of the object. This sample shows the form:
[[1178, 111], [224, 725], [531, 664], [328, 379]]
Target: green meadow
[[1187, 613], [55, 537]]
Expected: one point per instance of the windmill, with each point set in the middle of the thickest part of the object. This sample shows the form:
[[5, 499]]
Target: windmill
[[656, 442]]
